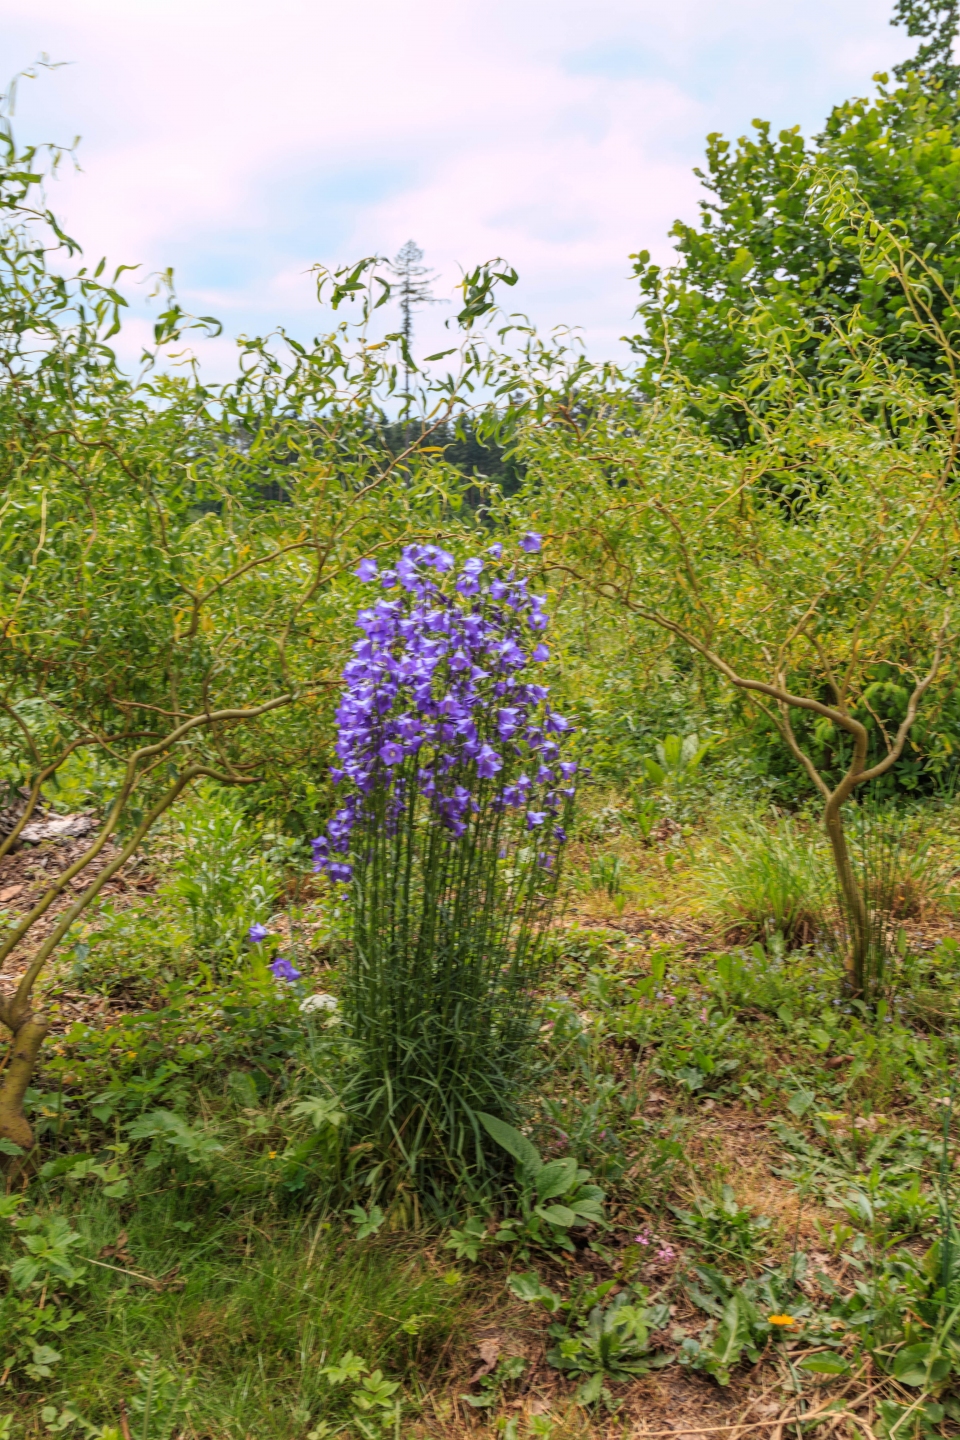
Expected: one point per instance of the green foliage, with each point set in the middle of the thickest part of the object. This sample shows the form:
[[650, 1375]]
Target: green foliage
[[771, 881], [677, 758], [221, 876], [34, 1316], [764, 241], [374, 1408], [169, 1131], [493, 1386], [722, 1228], [552, 1197], [597, 1341], [747, 556], [740, 1324]]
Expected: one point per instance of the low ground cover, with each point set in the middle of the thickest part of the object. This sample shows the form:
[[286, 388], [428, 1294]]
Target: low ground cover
[[184, 1254]]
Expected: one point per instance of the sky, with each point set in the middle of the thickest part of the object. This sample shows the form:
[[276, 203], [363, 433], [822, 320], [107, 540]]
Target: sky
[[242, 142]]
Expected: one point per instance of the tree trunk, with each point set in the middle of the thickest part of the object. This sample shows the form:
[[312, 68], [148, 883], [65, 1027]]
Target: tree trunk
[[25, 1047], [856, 958]]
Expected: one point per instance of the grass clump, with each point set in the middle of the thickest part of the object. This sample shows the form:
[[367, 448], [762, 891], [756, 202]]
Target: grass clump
[[769, 880]]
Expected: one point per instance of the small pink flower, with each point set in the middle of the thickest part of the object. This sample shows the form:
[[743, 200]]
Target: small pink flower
[[643, 1238], [665, 1253], [703, 1016]]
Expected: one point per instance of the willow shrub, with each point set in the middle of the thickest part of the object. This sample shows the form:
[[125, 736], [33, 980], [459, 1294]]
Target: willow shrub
[[175, 563], [456, 799], [813, 569]]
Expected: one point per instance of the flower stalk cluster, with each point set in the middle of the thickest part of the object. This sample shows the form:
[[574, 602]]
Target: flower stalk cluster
[[443, 680], [456, 797]]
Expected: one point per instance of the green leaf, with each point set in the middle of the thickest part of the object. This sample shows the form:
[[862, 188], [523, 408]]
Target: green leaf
[[351, 1367], [556, 1178], [512, 1141], [800, 1102], [589, 1210], [911, 1363], [556, 1214], [528, 1287], [825, 1365], [590, 1391], [367, 1222], [321, 1110]]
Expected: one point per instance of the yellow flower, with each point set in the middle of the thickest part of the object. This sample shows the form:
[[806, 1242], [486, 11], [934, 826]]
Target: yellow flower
[[272, 1155], [782, 1319]]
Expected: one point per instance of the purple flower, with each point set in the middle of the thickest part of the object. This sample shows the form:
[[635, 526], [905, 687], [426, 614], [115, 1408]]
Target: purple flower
[[367, 570], [258, 932], [531, 542], [439, 559], [512, 655], [507, 721], [436, 675], [540, 652], [488, 762], [568, 768], [283, 970], [560, 834]]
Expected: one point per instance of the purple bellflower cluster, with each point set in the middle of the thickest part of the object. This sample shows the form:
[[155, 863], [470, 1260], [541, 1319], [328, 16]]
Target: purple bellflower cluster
[[442, 708]]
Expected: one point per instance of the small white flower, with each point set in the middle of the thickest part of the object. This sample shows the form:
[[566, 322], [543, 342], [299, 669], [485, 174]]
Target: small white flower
[[320, 1001]]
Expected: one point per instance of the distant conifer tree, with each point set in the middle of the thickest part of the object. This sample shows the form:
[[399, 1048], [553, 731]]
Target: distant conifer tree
[[413, 289]]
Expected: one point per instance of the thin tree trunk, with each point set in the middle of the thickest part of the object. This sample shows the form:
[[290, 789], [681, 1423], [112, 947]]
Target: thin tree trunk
[[855, 961], [25, 1048]]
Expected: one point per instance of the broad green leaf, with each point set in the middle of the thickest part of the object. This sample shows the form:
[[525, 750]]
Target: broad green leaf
[[528, 1287], [825, 1364], [556, 1178], [512, 1141], [556, 1214]]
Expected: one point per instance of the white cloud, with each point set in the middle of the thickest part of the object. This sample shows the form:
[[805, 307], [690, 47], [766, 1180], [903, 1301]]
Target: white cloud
[[242, 142]]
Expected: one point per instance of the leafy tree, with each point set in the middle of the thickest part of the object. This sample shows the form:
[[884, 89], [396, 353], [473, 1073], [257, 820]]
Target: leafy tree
[[175, 562], [763, 240], [812, 569], [937, 21]]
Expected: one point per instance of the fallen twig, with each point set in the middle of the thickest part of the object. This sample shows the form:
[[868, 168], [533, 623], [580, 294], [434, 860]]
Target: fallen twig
[[150, 1280]]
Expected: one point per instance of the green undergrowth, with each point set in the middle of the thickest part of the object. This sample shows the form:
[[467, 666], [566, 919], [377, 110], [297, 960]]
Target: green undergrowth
[[246, 1308], [194, 1249]]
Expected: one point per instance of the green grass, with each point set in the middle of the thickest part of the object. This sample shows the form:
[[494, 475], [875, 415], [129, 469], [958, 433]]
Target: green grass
[[653, 1060], [770, 879], [266, 1301]]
